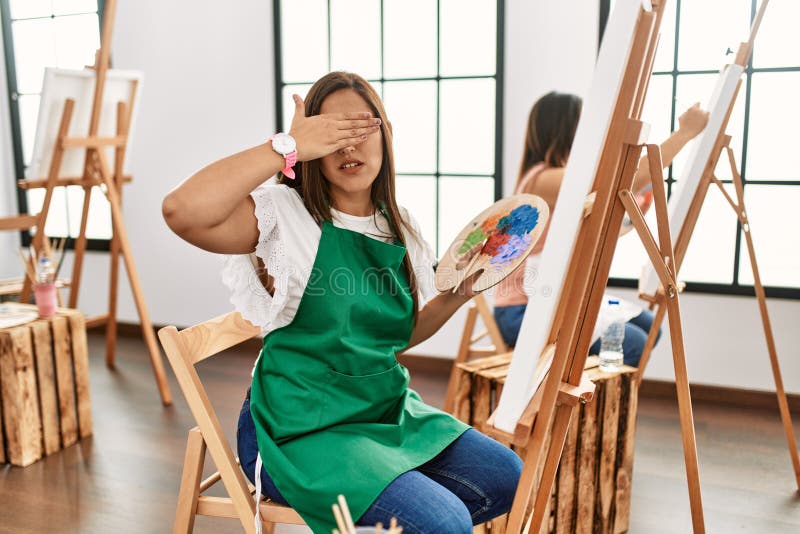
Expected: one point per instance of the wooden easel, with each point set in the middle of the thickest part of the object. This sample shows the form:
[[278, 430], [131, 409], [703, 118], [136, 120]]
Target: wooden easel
[[657, 301], [97, 172], [466, 350], [543, 425]]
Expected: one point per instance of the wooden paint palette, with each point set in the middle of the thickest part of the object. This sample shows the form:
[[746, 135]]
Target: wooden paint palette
[[496, 241]]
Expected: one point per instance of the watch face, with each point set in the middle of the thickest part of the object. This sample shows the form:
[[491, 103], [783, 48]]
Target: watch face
[[283, 143]]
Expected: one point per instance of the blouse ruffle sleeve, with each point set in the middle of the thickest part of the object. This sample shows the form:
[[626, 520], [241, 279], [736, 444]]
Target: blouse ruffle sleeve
[[423, 260], [240, 273]]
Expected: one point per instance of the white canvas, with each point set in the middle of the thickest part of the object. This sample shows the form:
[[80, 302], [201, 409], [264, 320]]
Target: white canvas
[[60, 84], [684, 189], [547, 285]]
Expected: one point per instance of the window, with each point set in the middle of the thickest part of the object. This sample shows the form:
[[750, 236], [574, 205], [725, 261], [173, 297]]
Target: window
[[437, 64], [690, 54], [39, 34]]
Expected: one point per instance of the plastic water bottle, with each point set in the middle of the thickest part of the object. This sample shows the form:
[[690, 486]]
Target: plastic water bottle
[[611, 339], [45, 272]]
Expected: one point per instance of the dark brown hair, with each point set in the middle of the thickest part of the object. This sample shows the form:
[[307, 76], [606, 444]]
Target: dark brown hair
[[312, 185], [551, 130]]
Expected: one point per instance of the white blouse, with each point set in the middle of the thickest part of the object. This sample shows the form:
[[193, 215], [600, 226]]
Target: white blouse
[[287, 245]]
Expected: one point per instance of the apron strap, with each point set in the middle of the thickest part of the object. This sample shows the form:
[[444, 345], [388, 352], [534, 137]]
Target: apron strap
[[257, 495]]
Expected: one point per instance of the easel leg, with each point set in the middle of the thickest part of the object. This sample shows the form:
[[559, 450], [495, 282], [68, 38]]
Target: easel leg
[[147, 327], [563, 417], [52, 176], [113, 290], [111, 322], [527, 481], [685, 414], [783, 405], [461, 356], [79, 250], [663, 258], [652, 335]]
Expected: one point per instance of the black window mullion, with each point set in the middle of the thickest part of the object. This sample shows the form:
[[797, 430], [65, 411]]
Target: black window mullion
[[13, 105], [276, 42], [330, 39], [380, 43], [673, 113], [437, 176], [499, 68], [743, 163]]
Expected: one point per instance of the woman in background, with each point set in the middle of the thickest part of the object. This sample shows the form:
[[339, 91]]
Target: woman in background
[[551, 129]]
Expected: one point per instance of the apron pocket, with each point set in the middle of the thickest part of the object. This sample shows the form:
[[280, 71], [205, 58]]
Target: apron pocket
[[372, 398]]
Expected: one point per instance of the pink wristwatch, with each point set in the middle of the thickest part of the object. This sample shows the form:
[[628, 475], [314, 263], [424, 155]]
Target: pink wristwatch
[[284, 144]]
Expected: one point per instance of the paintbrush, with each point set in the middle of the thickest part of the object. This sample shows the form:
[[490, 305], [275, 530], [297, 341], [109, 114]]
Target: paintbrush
[[337, 513], [348, 520], [60, 261], [467, 270]]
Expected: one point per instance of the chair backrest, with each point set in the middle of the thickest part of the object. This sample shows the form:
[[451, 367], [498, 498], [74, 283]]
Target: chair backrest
[[186, 348], [478, 308]]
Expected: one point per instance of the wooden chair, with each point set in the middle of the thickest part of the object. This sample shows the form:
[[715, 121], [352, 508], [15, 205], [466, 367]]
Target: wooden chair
[[466, 349], [184, 350]]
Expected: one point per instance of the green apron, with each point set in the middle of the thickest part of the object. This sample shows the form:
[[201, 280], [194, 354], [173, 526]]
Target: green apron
[[331, 404]]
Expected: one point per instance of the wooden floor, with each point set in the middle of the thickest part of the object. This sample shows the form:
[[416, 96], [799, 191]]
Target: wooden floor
[[125, 478]]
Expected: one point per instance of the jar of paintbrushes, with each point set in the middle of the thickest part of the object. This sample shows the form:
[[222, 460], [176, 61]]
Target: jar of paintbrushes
[[44, 292], [42, 272]]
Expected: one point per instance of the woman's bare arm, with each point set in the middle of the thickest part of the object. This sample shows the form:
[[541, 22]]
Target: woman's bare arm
[[690, 124], [213, 210]]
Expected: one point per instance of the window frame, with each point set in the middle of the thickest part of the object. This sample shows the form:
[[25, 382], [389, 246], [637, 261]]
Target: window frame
[[733, 288], [498, 76], [102, 245]]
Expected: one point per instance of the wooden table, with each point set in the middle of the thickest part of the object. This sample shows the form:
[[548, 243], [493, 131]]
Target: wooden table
[[593, 485], [44, 386]]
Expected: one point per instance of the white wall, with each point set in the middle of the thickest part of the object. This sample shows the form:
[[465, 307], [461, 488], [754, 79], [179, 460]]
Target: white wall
[[209, 91]]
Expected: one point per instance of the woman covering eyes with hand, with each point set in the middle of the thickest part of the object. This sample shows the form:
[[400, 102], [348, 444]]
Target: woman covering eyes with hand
[[340, 280]]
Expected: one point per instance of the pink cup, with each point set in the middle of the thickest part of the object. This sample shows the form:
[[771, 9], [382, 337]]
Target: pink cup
[[45, 296]]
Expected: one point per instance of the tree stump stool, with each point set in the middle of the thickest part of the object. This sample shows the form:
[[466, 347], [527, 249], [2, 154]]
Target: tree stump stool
[[592, 491], [44, 386]]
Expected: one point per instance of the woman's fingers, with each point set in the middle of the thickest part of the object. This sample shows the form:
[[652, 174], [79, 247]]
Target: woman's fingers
[[362, 123], [299, 109], [350, 115], [299, 105], [348, 141], [355, 133]]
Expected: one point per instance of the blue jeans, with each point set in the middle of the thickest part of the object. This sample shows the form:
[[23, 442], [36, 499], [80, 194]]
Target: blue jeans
[[472, 481], [509, 320]]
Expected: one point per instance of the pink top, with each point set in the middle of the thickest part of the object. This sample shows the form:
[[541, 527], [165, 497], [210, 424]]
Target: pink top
[[511, 291]]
